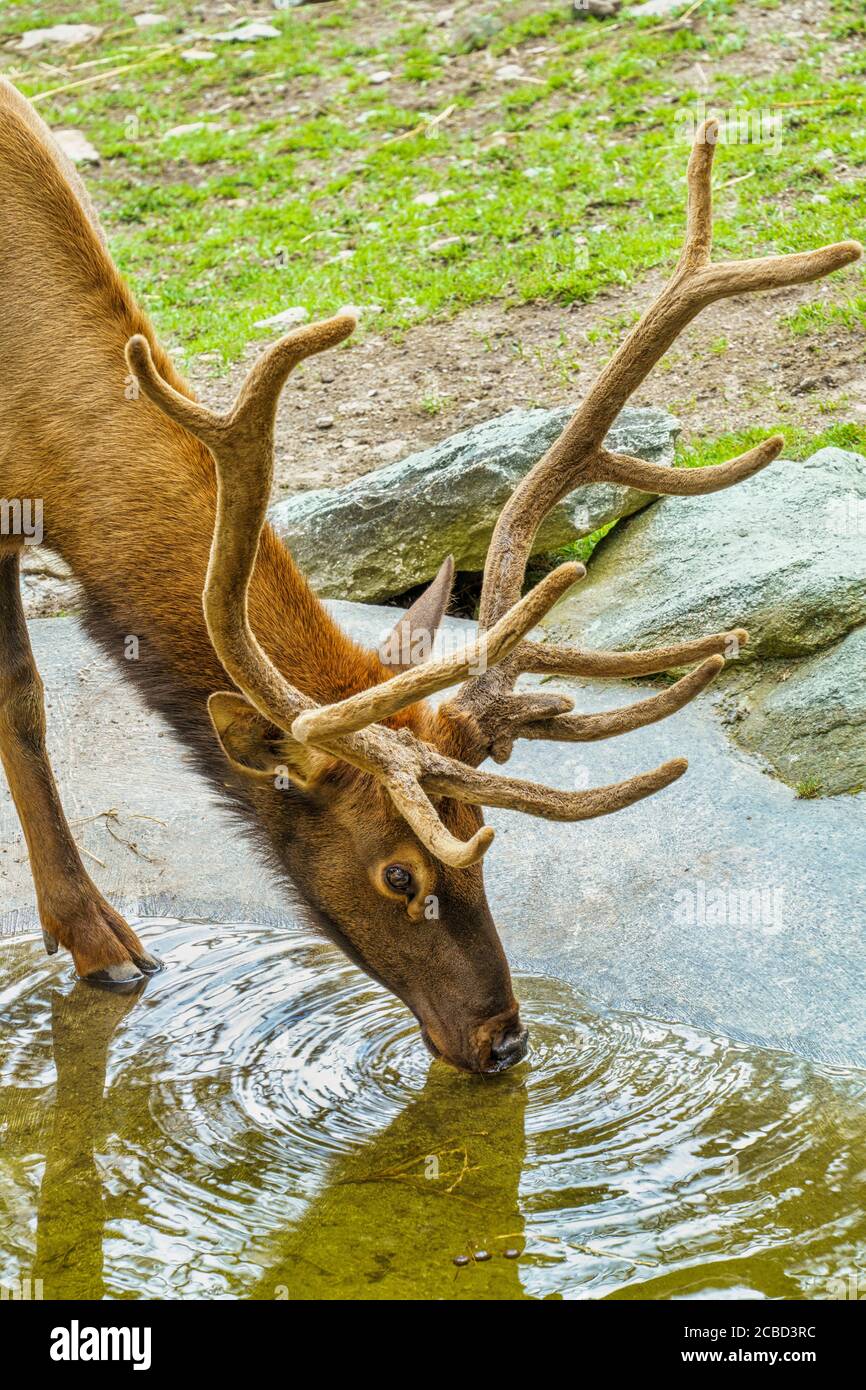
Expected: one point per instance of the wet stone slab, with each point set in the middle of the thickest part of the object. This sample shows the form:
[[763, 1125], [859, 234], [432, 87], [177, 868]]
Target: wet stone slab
[[724, 902]]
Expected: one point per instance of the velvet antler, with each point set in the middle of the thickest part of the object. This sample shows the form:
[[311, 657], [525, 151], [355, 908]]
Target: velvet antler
[[412, 770], [578, 456]]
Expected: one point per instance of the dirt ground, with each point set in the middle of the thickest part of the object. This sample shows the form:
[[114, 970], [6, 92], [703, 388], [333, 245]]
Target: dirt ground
[[381, 399]]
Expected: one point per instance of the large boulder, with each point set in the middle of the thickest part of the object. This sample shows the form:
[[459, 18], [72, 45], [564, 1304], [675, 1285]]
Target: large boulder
[[808, 718], [782, 554], [391, 529], [775, 554]]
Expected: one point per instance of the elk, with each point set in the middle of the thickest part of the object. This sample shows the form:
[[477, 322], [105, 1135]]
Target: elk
[[354, 785]]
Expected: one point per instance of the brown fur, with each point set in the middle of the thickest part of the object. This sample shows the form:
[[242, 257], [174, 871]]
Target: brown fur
[[129, 502]]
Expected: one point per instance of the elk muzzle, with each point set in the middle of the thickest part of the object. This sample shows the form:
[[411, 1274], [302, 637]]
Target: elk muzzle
[[489, 1047]]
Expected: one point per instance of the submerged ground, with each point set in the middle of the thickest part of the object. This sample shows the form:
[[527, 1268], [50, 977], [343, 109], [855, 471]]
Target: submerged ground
[[263, 1124]]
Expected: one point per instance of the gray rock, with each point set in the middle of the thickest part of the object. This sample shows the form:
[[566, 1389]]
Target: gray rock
[[605, 905], [48, 587], [389, 530], [478, 31], [775, 554], [76, 146], [809, 720], [247, 33], [286, 318], [64, 35], [599, 9], [656, 9], [783, 555]]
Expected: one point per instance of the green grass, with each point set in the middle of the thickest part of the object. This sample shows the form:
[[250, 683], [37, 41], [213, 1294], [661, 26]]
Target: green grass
[[808, 789], [270, 206], [799, 444]]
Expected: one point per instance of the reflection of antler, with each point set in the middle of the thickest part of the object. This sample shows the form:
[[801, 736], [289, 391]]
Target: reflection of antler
[[69, 1258]]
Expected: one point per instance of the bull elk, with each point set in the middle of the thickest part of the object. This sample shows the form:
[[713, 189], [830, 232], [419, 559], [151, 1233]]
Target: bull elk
[[361, 792]]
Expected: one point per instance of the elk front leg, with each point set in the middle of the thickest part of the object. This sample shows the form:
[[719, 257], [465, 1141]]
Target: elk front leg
[[72, 910]]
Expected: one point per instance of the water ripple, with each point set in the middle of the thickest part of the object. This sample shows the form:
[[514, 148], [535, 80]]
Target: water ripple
[[264, 1122]]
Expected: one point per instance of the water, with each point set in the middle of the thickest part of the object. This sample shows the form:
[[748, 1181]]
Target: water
[[265, 1123]]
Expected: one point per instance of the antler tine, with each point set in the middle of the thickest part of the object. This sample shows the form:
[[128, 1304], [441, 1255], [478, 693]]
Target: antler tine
[[203, 423], [444, 777], [683, 482], [258, 396], [551, 659], [257, 399], [419, 812], [587, 728], [523, 715], [381, 701], [698, 242]]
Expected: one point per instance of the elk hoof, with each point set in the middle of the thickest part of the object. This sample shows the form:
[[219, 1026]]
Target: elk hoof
[[50, 943], [149, 965], [122, 977]]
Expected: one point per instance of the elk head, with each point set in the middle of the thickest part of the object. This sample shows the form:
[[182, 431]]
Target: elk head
[[380, 819]]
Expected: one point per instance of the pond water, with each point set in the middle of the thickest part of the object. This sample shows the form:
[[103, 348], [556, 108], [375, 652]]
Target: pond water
[[262, 1122]]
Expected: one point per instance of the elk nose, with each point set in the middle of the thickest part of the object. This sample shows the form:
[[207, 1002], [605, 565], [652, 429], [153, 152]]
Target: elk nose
[[509, 1047]]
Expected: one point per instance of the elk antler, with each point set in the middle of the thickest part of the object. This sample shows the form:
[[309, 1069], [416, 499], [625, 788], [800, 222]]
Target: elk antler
[[411, 770], [578, 456], [241, 442]]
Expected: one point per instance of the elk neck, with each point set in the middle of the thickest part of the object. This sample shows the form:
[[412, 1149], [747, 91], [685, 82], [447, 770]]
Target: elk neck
[[128, 497]]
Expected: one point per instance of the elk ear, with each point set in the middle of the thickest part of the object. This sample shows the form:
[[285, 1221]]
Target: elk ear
[[258, 748], [411, 641]]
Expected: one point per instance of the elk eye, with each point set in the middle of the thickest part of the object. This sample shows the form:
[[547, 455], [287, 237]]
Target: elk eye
[[399, 880]]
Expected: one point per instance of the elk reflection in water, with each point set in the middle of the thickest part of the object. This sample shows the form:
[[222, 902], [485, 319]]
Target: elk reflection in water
[[261, 1122]]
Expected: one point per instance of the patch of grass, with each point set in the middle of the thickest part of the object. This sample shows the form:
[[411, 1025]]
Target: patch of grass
[[799, 444], [582, 549], [821, 317], [808, 789], [301, 188], [433, 405]]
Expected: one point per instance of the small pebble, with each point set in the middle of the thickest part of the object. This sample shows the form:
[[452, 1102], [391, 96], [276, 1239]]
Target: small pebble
[[325, 422], [510, 72], [461, 1260], [511, 1254], [247, 33], [481, 1256], [76, 147], [286, 318]]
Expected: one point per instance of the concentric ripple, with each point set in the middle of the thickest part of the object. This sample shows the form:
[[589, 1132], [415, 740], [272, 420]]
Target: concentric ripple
[[264, 1123]]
